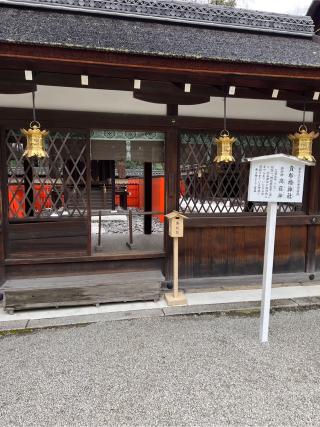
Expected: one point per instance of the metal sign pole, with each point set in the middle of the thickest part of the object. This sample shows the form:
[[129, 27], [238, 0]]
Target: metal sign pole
[[267, 270]]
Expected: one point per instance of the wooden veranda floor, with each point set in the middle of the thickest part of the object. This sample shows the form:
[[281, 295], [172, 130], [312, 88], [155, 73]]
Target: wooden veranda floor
[[40, 292]]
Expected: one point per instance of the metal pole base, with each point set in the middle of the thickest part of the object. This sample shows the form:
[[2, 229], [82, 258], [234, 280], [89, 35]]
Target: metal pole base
[[172, 300]]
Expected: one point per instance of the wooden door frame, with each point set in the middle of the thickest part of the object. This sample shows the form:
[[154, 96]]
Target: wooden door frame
[[124, 127]]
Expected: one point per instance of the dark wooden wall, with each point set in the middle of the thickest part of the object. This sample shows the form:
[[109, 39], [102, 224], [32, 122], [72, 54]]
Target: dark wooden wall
[[48, 239], [234, 251]]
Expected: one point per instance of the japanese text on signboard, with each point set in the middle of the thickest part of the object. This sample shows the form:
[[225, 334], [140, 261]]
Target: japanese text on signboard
[[276, 182]]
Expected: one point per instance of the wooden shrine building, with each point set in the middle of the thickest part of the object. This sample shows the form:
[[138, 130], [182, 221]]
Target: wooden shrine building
[[140, 85]]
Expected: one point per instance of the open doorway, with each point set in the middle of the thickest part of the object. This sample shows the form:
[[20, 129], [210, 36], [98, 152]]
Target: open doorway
[[127, 191]]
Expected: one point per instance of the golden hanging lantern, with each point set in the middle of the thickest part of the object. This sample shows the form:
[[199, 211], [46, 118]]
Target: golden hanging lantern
[[224, 147], [302, 144], [35, 141]]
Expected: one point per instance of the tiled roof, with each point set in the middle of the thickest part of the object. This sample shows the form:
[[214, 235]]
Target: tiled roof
[[185, 13], [66, 29]]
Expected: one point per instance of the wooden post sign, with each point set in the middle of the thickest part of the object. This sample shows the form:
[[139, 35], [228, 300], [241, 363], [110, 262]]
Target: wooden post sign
[[274, 179], [176, 226]]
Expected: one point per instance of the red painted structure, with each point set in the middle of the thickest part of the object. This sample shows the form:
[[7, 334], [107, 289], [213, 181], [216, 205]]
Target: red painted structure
[[136, 191], [16, 198]]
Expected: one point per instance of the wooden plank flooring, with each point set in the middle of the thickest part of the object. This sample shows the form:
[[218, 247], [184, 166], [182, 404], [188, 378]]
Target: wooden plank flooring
[[61, 291]]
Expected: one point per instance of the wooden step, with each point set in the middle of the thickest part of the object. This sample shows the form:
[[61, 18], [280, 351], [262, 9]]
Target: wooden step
[[40, 292], [100, 199]]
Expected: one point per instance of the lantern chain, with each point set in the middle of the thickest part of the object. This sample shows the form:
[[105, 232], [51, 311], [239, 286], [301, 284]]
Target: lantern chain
[[225, 113], [33, 105], [304, 114]]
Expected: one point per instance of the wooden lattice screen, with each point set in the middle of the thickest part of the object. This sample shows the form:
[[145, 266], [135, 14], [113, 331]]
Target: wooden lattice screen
[[208, 187], [53, 187]]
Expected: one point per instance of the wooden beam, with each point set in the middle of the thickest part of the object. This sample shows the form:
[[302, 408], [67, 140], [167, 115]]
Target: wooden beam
[[169, 93], [82, 120], [53, 59], [310, 105], [247, 220], [13, 81], [163, 98], [8, 87], [172, 110], [147, 197], [59, 119]]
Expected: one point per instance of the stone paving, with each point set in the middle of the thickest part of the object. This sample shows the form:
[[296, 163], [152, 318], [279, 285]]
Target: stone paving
[[178, 371]]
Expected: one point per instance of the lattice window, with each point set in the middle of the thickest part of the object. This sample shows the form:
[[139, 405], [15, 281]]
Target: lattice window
[[52, 187], [208, 187]]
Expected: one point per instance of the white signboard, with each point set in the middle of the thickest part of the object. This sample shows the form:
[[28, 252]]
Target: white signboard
[[276, 178], [273, 179]]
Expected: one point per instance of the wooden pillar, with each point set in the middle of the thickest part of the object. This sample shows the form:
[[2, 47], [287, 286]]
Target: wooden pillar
[[113, 184], [112, 175], [172, 161], [2, 246], [88, 190], [95, 170], [172, 110], [171, 182], [106, 176], [3, 205], [147, 197], [312, 201]]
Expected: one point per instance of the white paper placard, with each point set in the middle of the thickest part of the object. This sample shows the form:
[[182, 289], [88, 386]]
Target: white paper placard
[[276, 180]]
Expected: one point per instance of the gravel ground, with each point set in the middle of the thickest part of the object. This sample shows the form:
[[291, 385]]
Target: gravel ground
[[191, 371], [122, 227]]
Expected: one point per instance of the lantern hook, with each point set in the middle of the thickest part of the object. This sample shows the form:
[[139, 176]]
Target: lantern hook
[[224, 132], [34, 123], [303, 127]]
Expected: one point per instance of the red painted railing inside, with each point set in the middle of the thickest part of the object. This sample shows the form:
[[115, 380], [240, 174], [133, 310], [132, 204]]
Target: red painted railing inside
[[42, 197], [136, 192], [16, 196]]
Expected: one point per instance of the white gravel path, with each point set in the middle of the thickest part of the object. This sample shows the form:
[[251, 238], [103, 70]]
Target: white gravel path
[[187, 371]]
